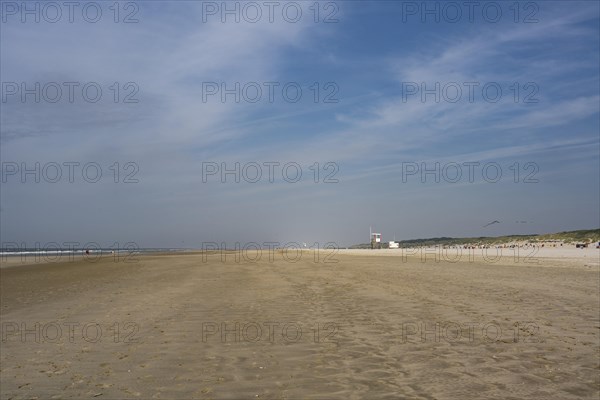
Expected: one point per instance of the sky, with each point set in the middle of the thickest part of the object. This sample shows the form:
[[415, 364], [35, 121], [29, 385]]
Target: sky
[[176, 124]]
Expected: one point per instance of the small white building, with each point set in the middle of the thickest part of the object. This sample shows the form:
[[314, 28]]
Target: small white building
[[393, 245]]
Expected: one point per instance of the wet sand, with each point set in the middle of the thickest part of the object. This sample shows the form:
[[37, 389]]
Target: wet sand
[[366, 326]]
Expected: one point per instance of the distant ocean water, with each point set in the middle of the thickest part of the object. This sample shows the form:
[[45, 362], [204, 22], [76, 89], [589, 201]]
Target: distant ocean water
[[57, 252]]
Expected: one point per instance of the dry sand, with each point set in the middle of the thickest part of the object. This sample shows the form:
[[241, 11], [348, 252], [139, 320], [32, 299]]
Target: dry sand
[[505, 329]]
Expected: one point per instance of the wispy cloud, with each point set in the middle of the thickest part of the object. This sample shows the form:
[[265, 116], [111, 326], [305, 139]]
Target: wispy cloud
[[371, 130]]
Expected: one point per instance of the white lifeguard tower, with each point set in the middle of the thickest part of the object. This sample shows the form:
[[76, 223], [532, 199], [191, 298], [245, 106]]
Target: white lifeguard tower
[[375, 239]]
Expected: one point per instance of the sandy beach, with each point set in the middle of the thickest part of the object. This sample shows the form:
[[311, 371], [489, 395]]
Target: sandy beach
[[364, 324]]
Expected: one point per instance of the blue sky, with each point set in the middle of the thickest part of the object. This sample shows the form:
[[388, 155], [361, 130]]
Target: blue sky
[[368, 57]]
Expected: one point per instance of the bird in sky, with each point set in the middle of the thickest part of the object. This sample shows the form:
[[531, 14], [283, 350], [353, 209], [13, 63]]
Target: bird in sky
[[491, 223]]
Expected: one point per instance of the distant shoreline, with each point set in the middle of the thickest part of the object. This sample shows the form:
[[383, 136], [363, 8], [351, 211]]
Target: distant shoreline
[[587, 236]]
